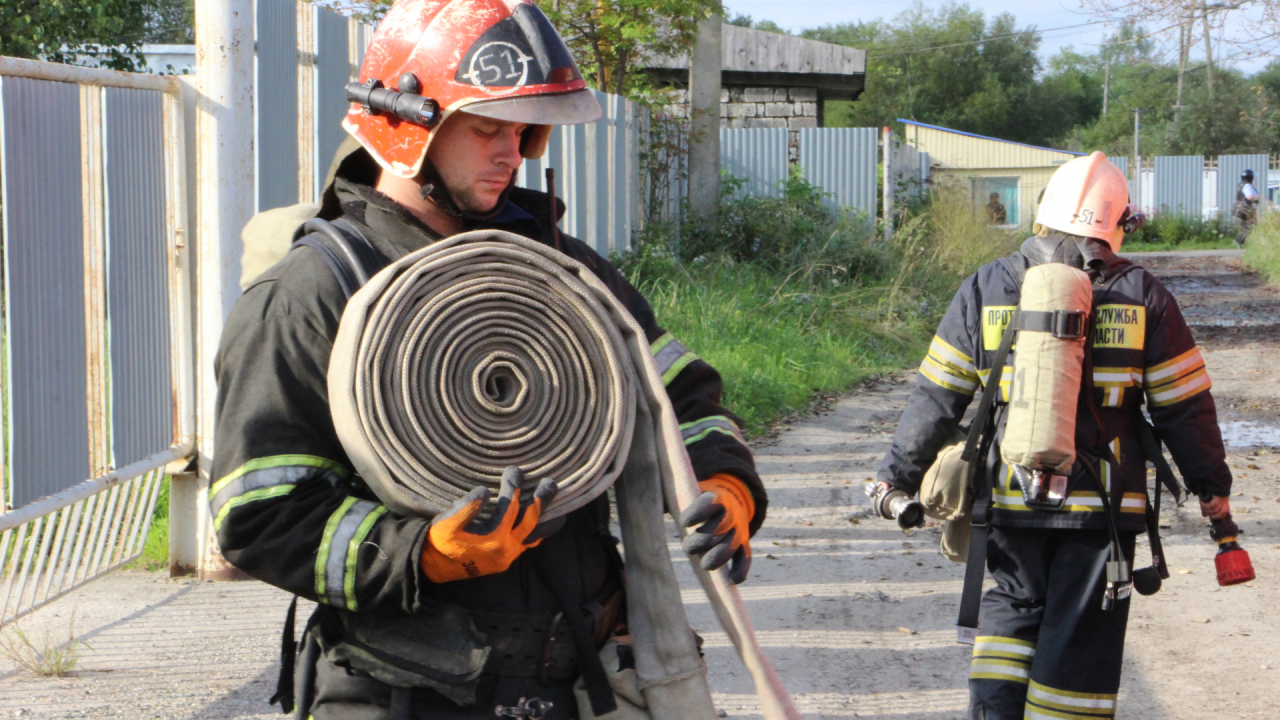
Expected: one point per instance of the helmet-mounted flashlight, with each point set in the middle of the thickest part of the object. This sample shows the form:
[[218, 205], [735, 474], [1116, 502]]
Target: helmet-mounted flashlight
[[410, 106]]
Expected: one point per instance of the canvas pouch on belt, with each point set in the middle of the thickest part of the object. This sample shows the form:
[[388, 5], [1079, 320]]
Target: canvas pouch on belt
[[944, 493], [620, 669]]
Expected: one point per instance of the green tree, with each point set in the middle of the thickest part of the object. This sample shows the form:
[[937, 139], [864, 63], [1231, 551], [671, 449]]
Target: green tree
[[611, 39], [69, 31], [949, 66]]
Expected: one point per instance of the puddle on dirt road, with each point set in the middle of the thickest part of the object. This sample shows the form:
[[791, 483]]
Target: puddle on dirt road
[[1242, 434], [1215, 322]]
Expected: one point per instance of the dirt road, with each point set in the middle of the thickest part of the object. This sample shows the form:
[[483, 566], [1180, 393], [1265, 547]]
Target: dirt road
[[857, 616]]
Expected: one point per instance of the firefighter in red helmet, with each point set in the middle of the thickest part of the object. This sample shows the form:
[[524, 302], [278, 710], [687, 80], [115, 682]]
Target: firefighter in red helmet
[[416, 619]]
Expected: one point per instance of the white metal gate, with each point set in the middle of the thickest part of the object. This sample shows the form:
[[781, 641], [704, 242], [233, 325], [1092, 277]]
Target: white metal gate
[[97, 337]]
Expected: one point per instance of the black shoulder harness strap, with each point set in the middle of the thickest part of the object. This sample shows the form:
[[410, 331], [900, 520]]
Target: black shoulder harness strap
[[976, 566], [345, 249]]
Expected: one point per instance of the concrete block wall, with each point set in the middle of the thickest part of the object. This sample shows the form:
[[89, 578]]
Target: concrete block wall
[[791, 108]]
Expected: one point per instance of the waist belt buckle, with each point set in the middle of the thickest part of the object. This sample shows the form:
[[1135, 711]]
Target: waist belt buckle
[[532, 708], [548, 653]]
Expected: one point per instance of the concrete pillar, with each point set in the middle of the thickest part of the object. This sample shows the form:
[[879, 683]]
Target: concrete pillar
[[224, 203], [704, 121]]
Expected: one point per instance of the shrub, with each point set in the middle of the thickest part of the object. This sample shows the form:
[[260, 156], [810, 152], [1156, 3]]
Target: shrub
[[1262, 249], [1168, 229], [789, 300]]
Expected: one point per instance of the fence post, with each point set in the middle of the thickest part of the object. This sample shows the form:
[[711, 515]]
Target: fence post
[[887, 142], [224, 195], [704, 120]]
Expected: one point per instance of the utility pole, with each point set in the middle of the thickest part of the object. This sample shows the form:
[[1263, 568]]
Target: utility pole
[[705, 63], [1208, 49], [224, 203], [1106, 86], [1137, 160], [1184, 50]]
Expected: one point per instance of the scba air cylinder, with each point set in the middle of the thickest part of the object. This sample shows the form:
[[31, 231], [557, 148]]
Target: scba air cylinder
[[1047, 369]]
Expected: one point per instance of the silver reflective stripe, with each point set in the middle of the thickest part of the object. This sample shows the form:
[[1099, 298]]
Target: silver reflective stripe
[[268, 477], [339, 546], [259, 485], [671, 356], [692, 432]]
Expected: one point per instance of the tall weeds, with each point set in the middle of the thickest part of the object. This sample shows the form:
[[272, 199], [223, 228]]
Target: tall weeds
[[788, 299], [1262, 249]]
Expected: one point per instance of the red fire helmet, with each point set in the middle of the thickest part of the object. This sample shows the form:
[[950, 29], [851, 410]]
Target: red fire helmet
[[495, 58]]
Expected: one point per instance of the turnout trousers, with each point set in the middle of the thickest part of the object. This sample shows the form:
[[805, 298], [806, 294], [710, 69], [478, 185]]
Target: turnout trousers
[[1047, 650]]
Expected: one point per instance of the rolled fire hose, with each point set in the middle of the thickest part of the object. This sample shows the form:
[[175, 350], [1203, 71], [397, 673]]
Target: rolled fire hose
[[487, 350]]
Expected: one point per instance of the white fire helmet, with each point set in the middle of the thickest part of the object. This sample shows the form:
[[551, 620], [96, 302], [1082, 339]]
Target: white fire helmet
[[1089, 196]]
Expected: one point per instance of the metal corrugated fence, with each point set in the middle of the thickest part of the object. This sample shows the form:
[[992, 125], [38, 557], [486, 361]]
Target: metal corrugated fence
[[842, 161], [597, 175], [1230, 167], [333, 72], [277, 108], [44, 224], [1179, 184], [758, 156], [138, 268]]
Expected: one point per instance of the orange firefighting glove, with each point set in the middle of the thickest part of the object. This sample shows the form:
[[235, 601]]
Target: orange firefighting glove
[[723, 512], [459, 546]]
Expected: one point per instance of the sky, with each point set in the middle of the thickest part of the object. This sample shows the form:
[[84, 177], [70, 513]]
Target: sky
[[796, 15]]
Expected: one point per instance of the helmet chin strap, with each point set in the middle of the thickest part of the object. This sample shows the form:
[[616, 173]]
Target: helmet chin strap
[[435, 191]]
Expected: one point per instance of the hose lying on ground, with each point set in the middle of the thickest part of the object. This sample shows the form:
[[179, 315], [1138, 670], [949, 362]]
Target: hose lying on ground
[[488, 349]]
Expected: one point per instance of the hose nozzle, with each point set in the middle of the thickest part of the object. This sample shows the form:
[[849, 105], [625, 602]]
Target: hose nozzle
[[1232, 561], [894, 504]]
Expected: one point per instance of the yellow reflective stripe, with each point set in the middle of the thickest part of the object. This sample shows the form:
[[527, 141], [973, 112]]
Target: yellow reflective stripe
[[322, 556], [1034, 712], [1135, 503], [1113, 380], [277, 461], [671, 356], [349, 577], [1181, 389], [986, 644], [263, 494], [1180, 365], [661, 342], [946, 355], [1006, 377], [694, 431], [997, 669], [942, 377], [1117, 376], [1046, 696]]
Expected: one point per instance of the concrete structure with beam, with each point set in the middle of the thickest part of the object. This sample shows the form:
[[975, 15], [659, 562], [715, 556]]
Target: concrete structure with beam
[[775, 81]]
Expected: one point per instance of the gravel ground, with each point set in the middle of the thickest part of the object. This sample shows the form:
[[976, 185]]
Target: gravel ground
[[857, 617]]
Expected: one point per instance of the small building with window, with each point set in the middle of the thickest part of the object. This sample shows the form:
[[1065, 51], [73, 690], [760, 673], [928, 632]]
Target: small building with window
[[1004, 178]]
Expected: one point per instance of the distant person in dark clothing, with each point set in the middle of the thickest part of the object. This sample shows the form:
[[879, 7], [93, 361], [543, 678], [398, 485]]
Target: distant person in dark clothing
[[995, 210], [1246, 207]]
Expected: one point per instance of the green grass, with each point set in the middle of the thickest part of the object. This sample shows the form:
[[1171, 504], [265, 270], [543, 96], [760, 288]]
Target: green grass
[[1262, 249], [1224, 243], [777, 342], [790, 303], [155, 553]]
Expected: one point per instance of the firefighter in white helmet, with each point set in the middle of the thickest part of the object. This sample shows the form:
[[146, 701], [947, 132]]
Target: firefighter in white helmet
[[1057, 524], [424, 617]]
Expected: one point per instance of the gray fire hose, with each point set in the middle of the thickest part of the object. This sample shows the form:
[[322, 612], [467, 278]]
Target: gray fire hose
[[489, 349]]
